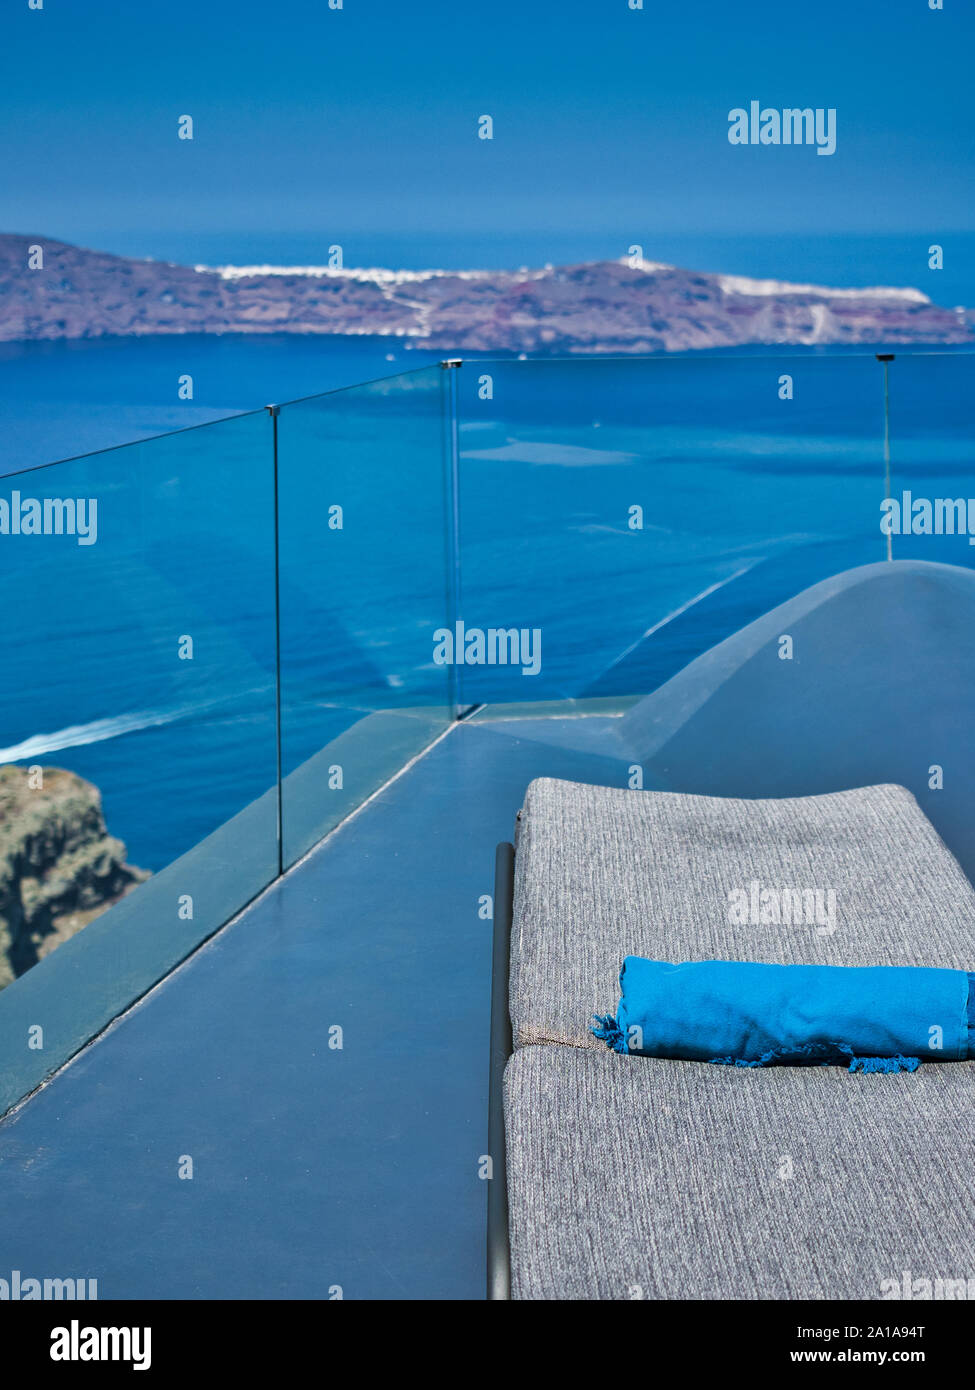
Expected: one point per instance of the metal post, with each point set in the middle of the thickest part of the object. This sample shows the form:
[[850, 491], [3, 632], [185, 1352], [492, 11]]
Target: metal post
[[274, 411], [451, 365], [885, 358]]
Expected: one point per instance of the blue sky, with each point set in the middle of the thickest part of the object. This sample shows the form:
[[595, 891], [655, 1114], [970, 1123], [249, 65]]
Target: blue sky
[[358, 126]]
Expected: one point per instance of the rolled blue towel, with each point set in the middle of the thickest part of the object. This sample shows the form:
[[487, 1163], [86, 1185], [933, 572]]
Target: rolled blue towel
[[750, 1014]]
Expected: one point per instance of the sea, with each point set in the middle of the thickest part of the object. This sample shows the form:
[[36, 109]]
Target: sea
[[625, 513]]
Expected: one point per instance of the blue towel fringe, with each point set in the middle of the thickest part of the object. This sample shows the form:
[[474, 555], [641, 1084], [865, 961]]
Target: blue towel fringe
[[823, 1055], [609, 1032], [884, 1064], [810, 1054]]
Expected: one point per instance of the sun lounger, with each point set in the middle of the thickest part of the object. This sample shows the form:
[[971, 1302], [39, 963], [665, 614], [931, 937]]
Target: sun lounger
[[632, 1177]]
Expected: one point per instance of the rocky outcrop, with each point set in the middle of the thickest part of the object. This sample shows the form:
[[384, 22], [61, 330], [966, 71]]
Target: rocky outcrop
[[59, 867], [604, 306]]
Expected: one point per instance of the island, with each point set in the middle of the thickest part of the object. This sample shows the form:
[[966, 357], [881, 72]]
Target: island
[[51, 290]]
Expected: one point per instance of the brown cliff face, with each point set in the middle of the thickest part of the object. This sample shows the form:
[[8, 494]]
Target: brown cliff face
[[59, 867], [605, 306]]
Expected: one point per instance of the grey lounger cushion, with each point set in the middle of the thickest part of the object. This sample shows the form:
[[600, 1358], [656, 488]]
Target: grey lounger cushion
[[601, 873], [632, 1177]]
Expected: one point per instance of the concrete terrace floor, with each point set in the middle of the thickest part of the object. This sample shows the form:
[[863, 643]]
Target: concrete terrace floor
[[313, 1167]]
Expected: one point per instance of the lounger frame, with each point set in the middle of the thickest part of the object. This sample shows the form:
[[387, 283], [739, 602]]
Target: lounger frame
[[498, 1248]]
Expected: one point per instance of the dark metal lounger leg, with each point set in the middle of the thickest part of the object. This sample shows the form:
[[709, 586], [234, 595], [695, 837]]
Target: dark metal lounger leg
[[498, 1251]]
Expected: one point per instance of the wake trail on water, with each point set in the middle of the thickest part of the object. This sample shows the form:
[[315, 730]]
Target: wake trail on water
[[99, 730]]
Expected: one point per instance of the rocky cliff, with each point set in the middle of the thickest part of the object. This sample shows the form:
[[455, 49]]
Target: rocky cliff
[[606, 306], [59, 867]]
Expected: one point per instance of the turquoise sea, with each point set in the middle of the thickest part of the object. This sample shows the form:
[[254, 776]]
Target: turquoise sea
[[633, 512]]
